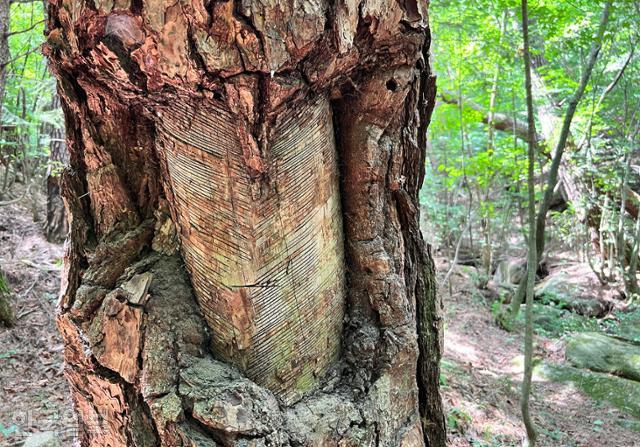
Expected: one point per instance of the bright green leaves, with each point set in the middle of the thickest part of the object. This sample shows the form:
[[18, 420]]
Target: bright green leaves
[[29, 87], [471, 44]]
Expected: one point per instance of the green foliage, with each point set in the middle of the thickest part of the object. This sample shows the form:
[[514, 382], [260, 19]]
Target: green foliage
[[6, 431], [471, 44], [567, 227], [556, 434], [624, 324], [28, 110], [458, 419], [553, 320], [4, 287]]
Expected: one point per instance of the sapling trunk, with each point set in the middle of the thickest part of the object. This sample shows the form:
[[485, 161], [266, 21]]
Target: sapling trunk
[[532, 259], [7, 317], [552, 180]]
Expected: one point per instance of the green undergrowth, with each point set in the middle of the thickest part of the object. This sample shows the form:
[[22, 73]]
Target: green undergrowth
[[553, 321]]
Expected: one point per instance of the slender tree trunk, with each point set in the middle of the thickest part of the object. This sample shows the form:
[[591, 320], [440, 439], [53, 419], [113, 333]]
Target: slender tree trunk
[[596, 107], [56, 226], [545, 205], [633, 263], [465, 156], [566, 127], [7, 315], [620, 239], [488, 214], [245, 265], [5, 7], [532, 259]]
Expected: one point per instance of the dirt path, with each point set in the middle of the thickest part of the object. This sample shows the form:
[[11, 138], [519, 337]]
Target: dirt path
[[33, 391], [482, 371]]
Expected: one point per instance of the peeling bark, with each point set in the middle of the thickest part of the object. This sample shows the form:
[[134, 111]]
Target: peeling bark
[[245, 265]]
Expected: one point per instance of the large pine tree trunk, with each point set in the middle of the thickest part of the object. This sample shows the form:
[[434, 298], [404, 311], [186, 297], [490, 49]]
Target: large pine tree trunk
[[245, 265]]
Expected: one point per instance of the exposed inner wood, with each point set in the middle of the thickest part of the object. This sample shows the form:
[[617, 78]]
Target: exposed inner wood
[[266, 261]]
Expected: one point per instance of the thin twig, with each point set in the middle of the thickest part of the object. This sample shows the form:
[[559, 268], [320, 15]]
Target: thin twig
[[26, 30], [455, 256]]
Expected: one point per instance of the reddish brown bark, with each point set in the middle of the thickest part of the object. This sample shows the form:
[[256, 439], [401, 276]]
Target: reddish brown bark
[[260, 163]]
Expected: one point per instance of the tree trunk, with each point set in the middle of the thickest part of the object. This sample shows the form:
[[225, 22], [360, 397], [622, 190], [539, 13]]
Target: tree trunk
[[547, 118], [56, 227], [245, 265], [531, 249], [7, 316], [5, 7]]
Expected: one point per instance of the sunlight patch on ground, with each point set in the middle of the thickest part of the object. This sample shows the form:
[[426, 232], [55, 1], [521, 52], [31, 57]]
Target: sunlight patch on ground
[[458, 349]]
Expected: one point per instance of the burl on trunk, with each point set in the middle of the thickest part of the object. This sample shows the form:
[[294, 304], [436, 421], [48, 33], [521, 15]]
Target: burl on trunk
[[245, 265]]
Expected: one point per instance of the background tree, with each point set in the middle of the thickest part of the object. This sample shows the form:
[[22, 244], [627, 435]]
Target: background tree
[[56, 227], [25, 86], [554, 169], [28, 118], [532, 258], [4, 47]]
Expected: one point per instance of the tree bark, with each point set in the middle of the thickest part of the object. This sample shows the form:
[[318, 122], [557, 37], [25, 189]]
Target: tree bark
[[56, 226], [245, 264], [5, 7]]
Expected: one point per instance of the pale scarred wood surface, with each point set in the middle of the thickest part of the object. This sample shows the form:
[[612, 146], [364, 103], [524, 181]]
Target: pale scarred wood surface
[[267, 264]]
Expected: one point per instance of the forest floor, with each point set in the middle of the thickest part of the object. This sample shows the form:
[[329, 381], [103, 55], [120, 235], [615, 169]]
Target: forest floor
[[34, 396], [482, 375], [481, 368]]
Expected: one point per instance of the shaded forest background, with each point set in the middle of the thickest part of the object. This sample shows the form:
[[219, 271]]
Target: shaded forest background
[[477, 169]]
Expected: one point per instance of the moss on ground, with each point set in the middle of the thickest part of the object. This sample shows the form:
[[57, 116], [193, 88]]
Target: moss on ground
[[602, 353], [553, 321], [623, 394], [7, 316]]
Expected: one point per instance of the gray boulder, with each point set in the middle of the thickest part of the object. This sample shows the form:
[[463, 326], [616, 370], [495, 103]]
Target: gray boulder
[[601, 353], [569, 294], [510, 271]]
